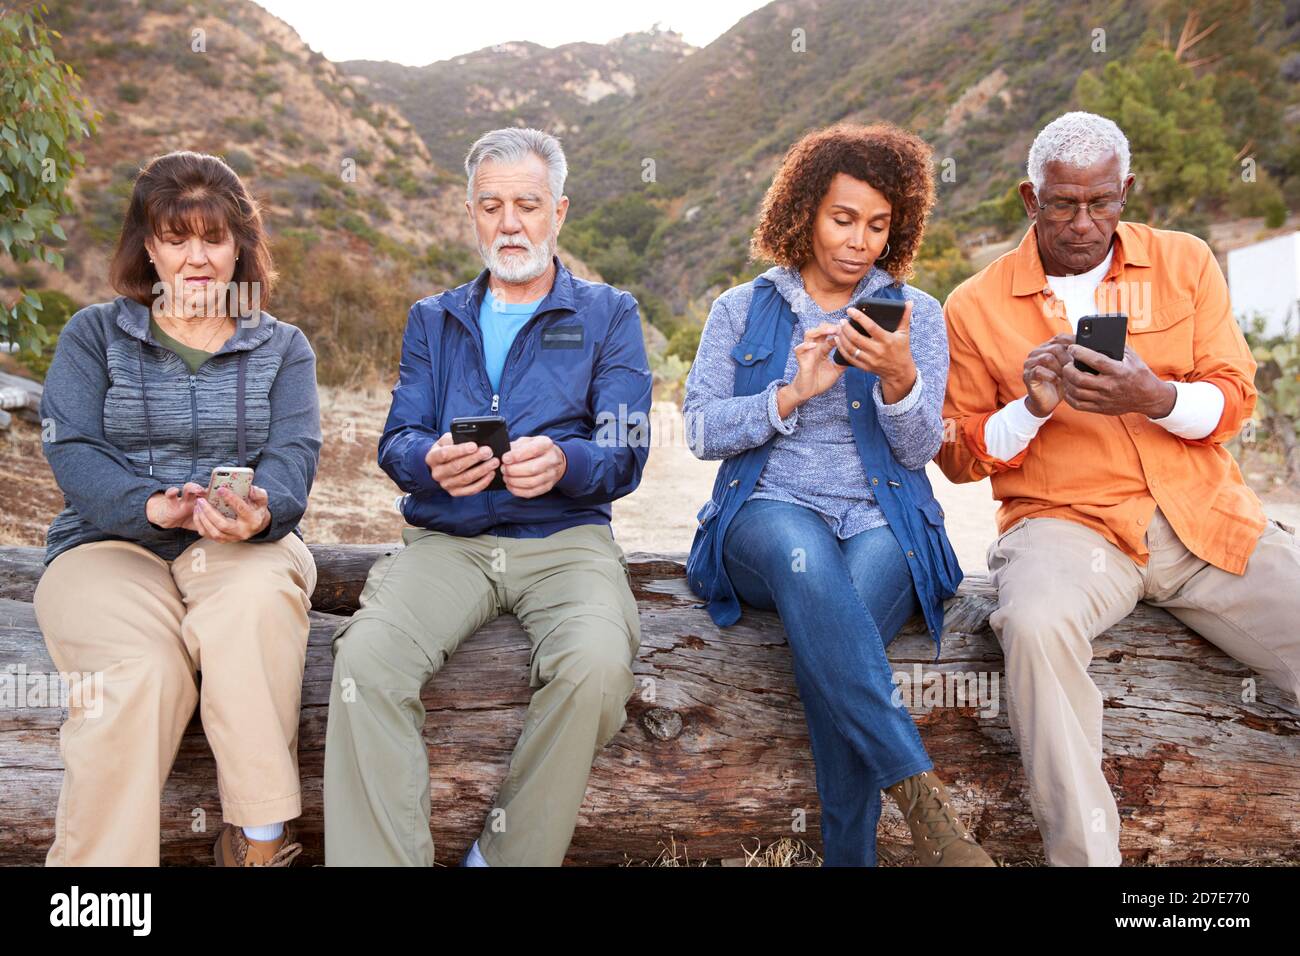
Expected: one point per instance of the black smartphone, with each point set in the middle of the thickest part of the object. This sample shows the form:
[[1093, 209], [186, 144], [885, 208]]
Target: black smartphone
[[1104, 334], [886, 313], [487, 430]]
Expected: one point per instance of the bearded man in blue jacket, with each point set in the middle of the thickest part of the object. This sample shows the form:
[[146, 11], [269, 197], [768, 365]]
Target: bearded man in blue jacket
[[563, 361]]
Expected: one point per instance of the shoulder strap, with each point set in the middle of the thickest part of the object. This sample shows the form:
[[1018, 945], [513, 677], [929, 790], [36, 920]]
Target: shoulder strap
[[239, 407]]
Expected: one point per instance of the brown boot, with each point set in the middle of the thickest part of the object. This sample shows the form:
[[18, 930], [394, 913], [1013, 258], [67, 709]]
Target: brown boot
[[233, 848], [937, 835]]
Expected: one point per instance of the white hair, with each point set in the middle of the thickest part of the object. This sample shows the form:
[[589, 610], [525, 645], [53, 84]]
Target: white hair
[[511, 145], [1077, 139]]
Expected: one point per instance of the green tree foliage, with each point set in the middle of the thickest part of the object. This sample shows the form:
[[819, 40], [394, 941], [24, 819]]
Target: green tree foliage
[[1230, 41], [1175, 128], [56, 309], [41, 116], [941, 265], [613, 237], [1223, 38]]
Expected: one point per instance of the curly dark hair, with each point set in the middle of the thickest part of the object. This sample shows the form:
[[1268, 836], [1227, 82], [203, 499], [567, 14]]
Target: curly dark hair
[[889, 159]]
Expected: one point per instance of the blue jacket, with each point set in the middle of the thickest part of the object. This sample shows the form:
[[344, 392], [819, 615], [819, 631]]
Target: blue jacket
[[577, 371], [904, 495]]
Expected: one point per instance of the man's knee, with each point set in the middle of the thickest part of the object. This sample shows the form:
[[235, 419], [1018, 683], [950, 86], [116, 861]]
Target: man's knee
[[593, 650], [592, 655], [373, 651], [1038, 627]]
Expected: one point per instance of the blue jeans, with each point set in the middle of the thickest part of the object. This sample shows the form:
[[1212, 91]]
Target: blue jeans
[[841, 602]]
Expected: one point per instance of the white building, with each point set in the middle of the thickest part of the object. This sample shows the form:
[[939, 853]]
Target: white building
[[1264, 280]]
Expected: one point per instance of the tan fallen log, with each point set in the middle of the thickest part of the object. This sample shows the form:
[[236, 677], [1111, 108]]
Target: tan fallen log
[[715, 754]]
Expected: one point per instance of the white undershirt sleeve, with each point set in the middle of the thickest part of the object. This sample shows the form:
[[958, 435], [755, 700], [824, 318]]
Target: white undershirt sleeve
[[1196, 412], [1010, 429]]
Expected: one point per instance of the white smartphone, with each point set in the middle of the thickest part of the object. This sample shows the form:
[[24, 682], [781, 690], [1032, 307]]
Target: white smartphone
[[238, 480]]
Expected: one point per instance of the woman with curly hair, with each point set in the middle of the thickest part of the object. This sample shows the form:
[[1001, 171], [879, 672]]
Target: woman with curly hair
[[822, 510]]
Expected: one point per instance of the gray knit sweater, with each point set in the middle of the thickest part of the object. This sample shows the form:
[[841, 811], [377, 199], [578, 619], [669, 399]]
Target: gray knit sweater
[[814, 461], [124, 417]]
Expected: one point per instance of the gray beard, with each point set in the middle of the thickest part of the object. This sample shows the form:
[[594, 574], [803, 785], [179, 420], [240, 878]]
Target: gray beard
[[519, 269]]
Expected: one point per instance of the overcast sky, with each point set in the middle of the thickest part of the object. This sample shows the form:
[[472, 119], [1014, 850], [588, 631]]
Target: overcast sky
[[418, 33]]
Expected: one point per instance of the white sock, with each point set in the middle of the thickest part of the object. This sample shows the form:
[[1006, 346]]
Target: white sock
[[271, 831], [475, 857]]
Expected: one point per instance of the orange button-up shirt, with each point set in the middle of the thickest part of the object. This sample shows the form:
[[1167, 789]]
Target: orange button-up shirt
[[1108, 472]]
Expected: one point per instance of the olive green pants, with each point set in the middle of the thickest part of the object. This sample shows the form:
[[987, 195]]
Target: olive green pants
[[571, 592]]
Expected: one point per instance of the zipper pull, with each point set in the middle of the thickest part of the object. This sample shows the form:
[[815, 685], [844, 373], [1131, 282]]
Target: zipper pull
[[496, 401], [191, 382]]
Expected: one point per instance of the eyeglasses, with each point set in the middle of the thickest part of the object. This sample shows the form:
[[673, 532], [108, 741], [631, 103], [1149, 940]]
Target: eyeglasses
[[1062, 210]]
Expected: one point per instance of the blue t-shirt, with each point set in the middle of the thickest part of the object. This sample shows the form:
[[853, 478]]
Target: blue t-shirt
[[500, 322]]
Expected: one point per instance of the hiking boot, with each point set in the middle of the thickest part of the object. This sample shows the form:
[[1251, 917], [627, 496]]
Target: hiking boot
[[937, 835], [233, 848]]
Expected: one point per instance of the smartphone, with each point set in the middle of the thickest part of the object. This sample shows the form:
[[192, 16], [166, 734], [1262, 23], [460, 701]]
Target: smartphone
[[886, 313], [1104, 334], [487, 430], [238, 480]]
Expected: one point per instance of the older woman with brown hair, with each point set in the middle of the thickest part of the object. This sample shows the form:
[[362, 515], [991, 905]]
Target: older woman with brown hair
[[822, 510], [152, 576]]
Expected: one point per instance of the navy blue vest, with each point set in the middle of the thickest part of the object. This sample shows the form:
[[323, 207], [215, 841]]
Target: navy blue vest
[[905, 496]]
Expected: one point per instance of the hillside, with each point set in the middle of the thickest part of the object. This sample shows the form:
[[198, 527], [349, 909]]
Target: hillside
[[670, 147], [565, 89], [363, 220], [976, 79], [283, 116]]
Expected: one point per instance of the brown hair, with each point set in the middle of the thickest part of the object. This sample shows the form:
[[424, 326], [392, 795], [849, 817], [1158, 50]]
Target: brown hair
[[889, 159], [190, 193]]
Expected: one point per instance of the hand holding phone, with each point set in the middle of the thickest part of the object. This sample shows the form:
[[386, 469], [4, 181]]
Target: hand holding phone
[[238, 480], [467, 459], [886, 313], [1102, 333]]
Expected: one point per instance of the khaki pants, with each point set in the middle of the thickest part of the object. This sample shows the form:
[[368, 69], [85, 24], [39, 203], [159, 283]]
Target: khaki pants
[[571, 592], [1060, 585], [237, 613]]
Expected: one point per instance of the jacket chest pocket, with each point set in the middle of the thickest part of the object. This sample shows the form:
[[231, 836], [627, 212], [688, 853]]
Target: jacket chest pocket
[[1165, 339]]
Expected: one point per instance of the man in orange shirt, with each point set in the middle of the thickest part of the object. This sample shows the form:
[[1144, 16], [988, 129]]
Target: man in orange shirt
[[1115, 486]]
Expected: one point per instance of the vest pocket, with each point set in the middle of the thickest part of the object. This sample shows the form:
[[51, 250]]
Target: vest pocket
[[707, 513], [943, 558], [749, 353], [700, 567]]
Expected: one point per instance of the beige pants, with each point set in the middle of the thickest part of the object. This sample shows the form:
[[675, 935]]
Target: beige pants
[[1060, 585], [570, 591], [235, 612]]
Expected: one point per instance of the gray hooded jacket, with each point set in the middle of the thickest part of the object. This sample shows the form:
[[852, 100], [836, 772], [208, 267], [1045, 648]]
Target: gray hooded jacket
[[124, 418]]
